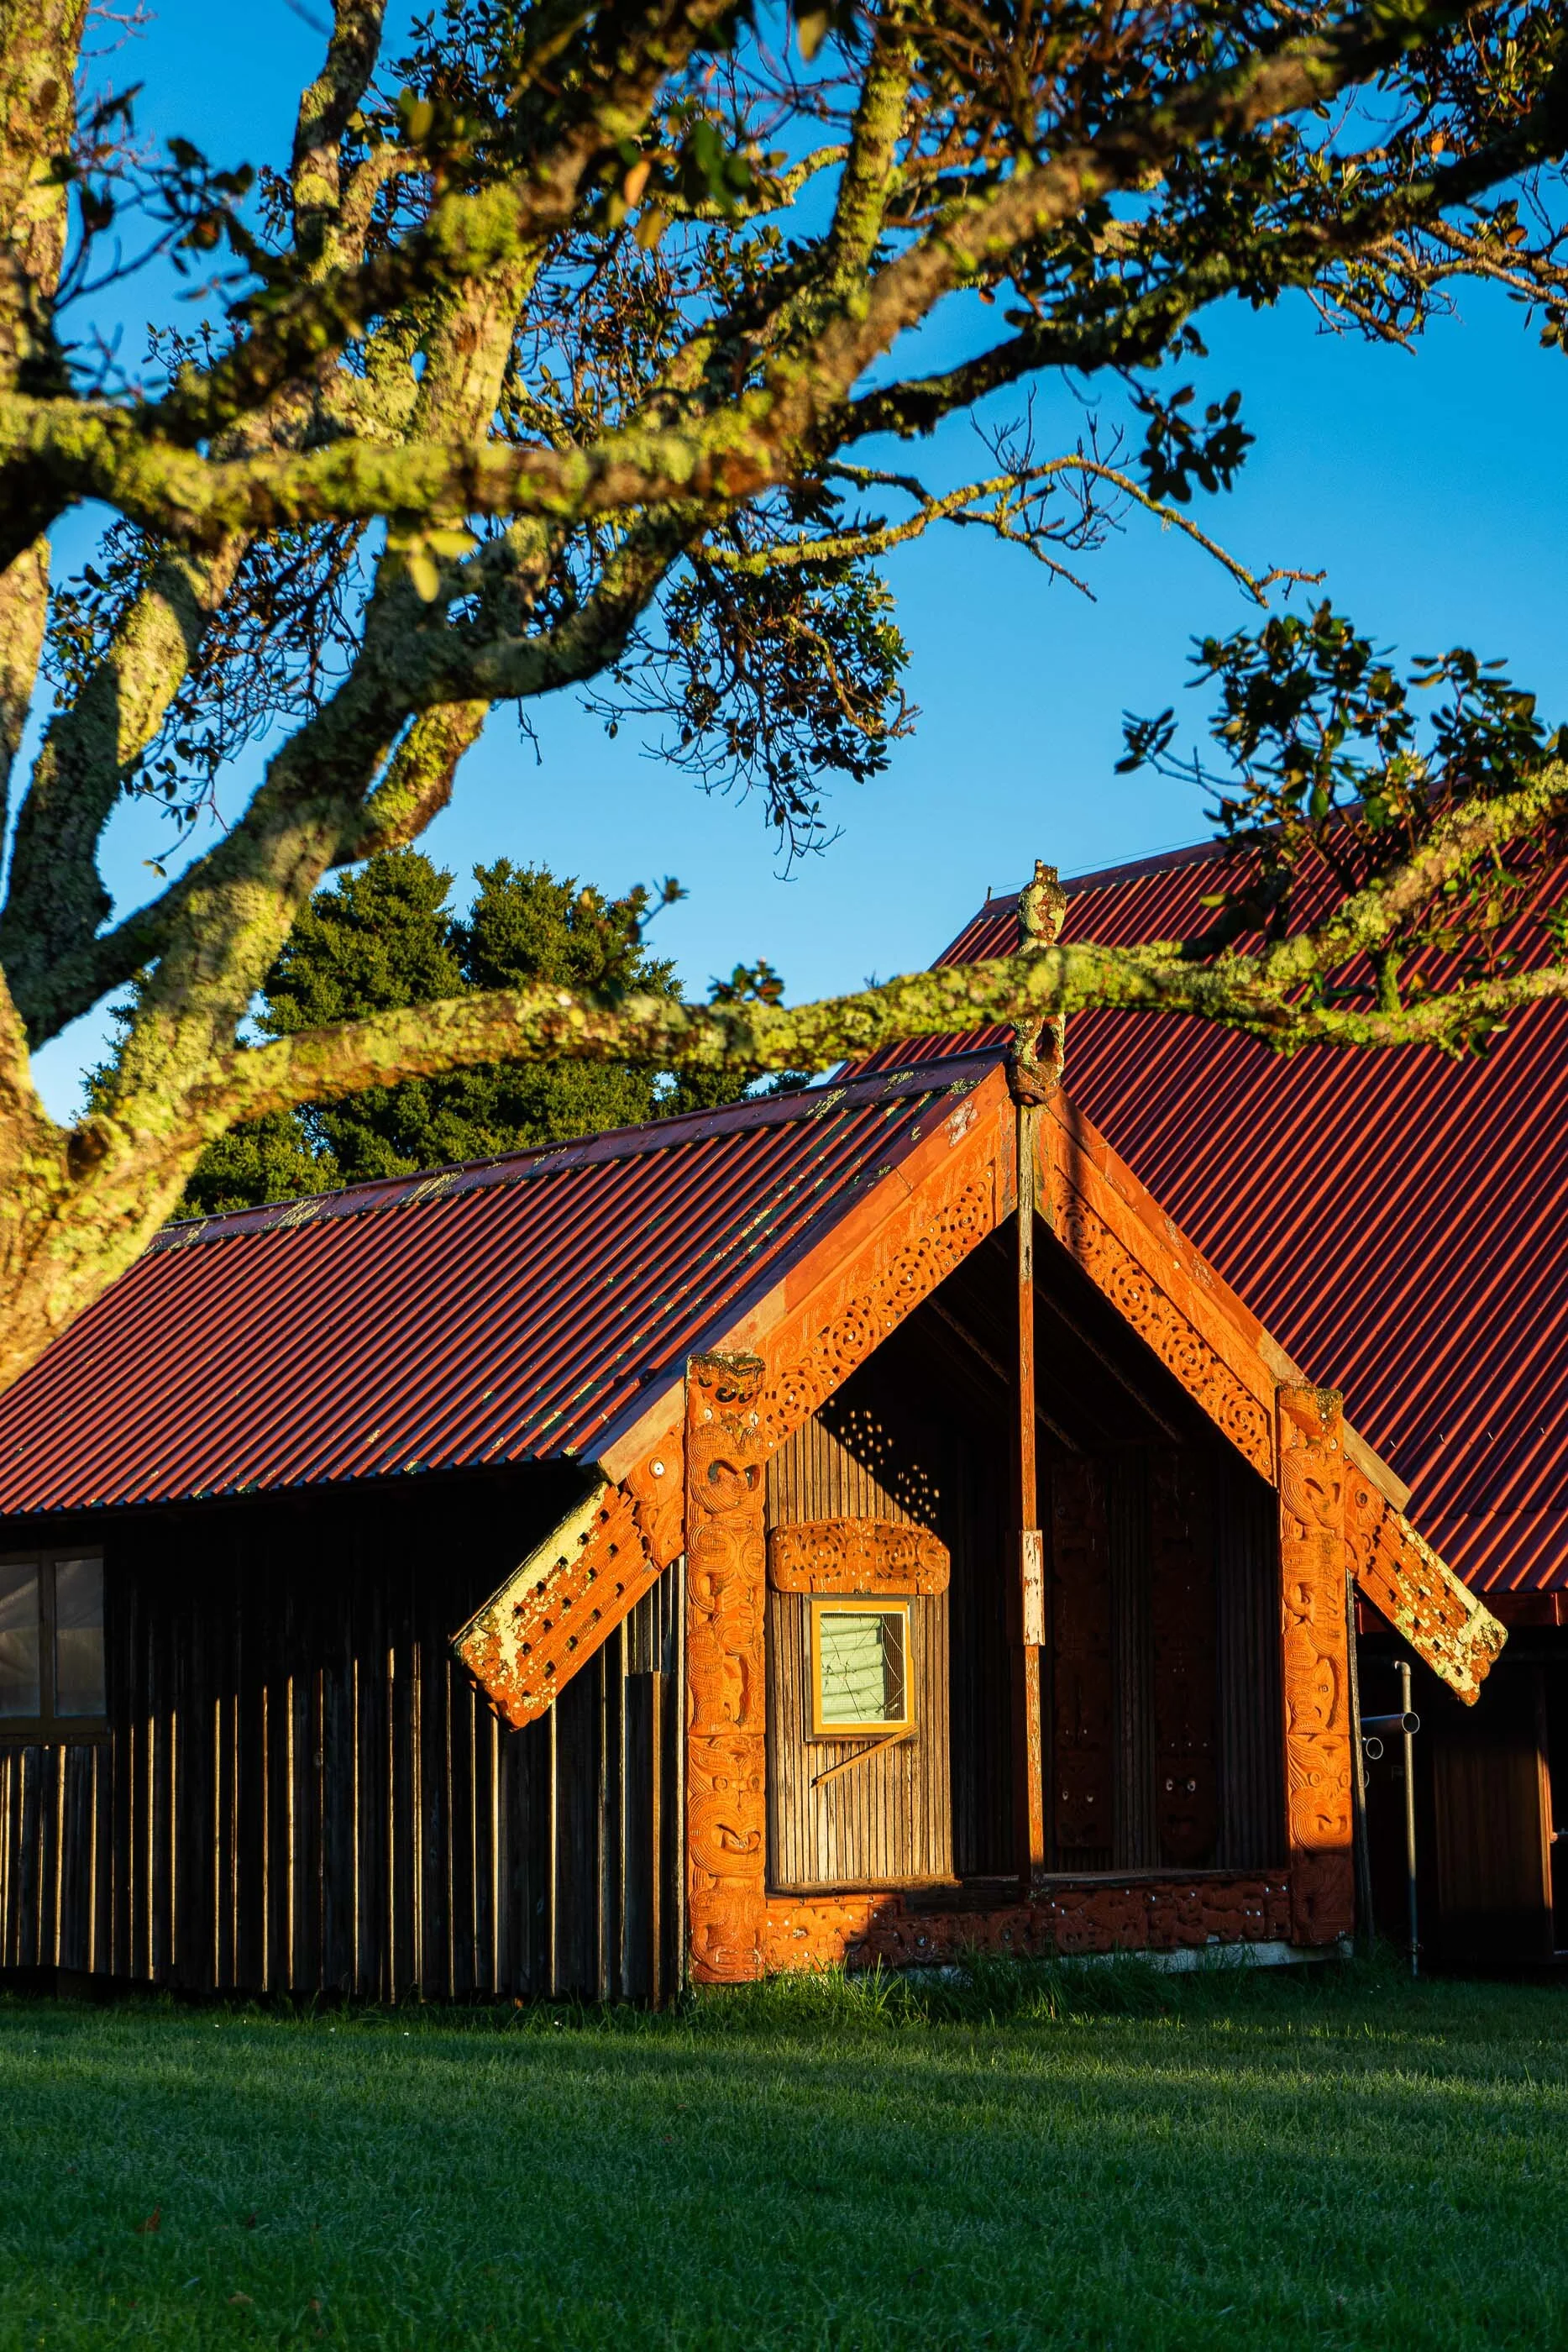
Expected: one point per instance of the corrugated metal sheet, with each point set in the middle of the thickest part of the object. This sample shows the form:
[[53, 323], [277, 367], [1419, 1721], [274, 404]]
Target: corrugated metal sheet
[[1396, 1220], [495, 1313]]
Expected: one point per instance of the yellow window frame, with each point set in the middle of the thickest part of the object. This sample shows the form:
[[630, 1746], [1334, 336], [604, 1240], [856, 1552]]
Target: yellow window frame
[[860, 1605]]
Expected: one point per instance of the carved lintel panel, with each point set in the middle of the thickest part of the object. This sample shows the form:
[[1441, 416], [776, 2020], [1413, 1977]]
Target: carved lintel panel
[[856, 1556], [1186, 1659], [1182, 1347], [1083, 1782], [1422, 1598], [727, 1702], [554, 1610], [1312, 1494]]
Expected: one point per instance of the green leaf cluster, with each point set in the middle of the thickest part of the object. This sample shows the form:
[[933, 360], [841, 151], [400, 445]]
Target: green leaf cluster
[[385, 936]]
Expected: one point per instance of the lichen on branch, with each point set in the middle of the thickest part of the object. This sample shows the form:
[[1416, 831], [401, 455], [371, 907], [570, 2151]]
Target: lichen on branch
[[572, 348]]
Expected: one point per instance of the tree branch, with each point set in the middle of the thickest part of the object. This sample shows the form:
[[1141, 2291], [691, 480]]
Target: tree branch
[[1259, 995], [1009, 493], [54, 900], [754, 441], [628, 56], [1137, 331], [23, 615], [418, 782], [324, 111]]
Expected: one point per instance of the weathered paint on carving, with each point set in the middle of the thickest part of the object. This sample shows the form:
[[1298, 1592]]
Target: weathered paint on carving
[[1422, 1598], [554, 1610]]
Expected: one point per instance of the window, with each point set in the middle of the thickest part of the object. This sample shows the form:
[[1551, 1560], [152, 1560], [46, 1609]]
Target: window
[[51, 1647], [860, 1668]]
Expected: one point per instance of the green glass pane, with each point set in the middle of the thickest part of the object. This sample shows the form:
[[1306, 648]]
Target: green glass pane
[[18, 1642], [79, 1637], [861, 1656]]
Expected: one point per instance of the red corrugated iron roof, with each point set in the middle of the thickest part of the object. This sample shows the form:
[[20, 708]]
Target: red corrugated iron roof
[[494, 1313], [1397, 1219]]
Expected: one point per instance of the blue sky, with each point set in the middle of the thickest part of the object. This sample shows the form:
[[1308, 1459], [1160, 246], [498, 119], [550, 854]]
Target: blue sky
[[1431, 490]]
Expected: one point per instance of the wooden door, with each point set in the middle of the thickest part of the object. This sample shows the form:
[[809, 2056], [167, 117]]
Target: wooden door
[[1491, 1805]]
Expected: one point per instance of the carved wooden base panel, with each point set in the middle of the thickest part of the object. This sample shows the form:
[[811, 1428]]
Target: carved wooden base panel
[[1312, 1485], [1163, 1916], [1422, 1598]]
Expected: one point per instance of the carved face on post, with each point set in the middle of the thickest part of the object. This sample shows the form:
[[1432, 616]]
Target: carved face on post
[[1314, 1639], [727, 1702]]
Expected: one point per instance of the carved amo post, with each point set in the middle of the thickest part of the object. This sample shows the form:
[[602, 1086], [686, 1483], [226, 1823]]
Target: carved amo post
[[727, 1701], [1316, 1663]]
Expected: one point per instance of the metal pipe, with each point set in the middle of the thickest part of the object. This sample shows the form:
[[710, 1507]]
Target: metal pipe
[[1410, 1720], [1404, 1721]]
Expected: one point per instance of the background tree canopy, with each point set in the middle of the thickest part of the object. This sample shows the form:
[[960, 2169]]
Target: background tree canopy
[[579, 345], [384, 937]]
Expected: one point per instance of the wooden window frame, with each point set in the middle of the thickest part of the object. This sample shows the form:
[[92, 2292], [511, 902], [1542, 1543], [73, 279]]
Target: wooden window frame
[[861, 1604], [49, 1729]]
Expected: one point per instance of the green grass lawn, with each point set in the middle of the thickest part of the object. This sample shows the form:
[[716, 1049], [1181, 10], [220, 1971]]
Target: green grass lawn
[[1097, 2158]]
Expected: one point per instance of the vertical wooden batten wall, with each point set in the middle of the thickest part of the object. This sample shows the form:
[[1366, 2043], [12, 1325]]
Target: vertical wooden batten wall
[[861, 1458], [301, 1791]]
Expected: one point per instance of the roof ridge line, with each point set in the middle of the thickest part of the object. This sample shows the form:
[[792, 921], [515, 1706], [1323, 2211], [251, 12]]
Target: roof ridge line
[[371, 1193]]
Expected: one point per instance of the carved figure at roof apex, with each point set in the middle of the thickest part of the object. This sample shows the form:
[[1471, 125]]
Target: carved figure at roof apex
[[1042, 907], [1035, 1064]]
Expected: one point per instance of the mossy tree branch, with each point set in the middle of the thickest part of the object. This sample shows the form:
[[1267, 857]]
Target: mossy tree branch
[[598, 359]]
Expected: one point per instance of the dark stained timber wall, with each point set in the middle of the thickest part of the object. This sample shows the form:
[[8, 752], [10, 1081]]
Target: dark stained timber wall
[[299, 1789]]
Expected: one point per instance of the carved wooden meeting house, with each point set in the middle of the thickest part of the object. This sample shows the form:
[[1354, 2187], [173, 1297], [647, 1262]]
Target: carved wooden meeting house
[[852, 1526]]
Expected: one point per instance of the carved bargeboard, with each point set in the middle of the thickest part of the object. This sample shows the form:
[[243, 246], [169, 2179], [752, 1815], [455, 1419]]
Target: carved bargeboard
[[1312, 1484], [1422, 1598], [526, 1643], [847, 1317], [1186, 1657], [856, 1556], [727, 1705], [551, 1615], [1082, 1713], [1126, 1265]]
